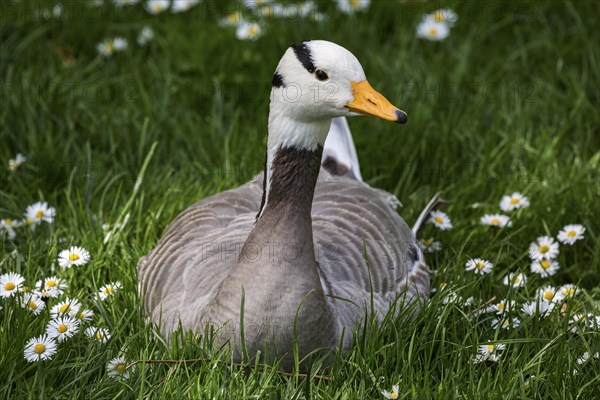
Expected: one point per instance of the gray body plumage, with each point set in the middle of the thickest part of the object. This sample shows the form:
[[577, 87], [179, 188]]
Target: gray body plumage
[[350, 219]]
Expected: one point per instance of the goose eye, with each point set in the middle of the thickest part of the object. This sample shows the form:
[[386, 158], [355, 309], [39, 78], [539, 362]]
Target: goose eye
[[321, 75]]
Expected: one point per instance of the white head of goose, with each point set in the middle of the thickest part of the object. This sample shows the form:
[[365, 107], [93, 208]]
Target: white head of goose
[[275, 255]]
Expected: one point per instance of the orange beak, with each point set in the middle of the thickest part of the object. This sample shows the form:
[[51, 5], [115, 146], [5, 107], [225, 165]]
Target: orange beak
[[368, 101]]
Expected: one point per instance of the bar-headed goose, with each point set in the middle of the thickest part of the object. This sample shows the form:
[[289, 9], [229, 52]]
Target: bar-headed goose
[[286, 248]]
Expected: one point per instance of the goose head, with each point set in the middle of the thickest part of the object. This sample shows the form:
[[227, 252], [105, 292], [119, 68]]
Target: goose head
[[316, 81]]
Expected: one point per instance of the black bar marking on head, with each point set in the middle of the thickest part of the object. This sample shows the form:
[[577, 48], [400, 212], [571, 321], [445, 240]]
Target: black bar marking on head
[[303, 54], [277, 80]]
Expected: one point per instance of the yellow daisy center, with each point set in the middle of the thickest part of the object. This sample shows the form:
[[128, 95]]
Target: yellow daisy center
[[39, 214], [393, 395], [32, 305], [252, 31], [73, 257], [571, 234], [517, 279], [548, 294], [354, 3], [500, 306], [8, 221], [438, 219], [569, 291], [438, 16], [108, 290], [121, 368], [545, 264], [25, 289], [39, 348], [495, 221], [64, 308], [29, 221], [544, 248], [81, 315], [51, 283], [490, 347], [9, 286], [480, 265], [515, 200], [62, 328], [99, 336], [432, 32], [232, 17]]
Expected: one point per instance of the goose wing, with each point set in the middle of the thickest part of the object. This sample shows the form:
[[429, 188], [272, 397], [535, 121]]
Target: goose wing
[[362, 243]]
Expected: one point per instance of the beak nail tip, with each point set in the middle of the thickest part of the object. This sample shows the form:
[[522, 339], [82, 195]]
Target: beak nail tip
[[401, 116]]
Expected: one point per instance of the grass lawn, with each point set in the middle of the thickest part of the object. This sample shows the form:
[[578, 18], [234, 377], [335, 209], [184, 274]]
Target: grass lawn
[[509, 102]]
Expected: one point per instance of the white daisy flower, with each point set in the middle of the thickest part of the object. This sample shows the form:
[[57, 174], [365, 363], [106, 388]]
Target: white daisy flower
[[543, 248], [545, 268], [577, 321], [145, 36], [47, 293], [232, 19], [100, 334], [503, 306], [52, 283], [547, 293], [441, 287], [352, 6], [83, 315], [10, 284], [38, 212], [536, 307], [444, 15], [586, 356], [479, 266], [7, 227], [183, 5], [15, 163], [566, 292], [498, 220], [40, 348], [440, 219], [108, 47], [513, 201], [571, 233], [33, 303], [391, 395], [109, 290], [117, 368], [62, 328], [431, 30], [429, 245], [248, 31], [73, 256], [67, 307], [489, 352], [157, 6], [515, 280], [594, 321], [505, 323]]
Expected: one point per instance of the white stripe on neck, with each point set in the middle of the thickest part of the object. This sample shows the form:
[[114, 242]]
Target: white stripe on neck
[[285, 132]]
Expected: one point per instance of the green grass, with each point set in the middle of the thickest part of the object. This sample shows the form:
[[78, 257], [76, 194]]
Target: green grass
[[509, 102]]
